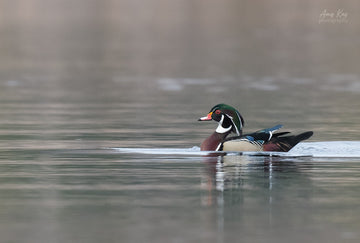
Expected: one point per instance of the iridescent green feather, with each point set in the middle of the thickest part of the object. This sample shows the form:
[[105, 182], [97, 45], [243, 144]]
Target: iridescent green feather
[[235, 115]]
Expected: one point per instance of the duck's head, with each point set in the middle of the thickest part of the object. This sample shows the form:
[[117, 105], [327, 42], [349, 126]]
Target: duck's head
[[228, 117]]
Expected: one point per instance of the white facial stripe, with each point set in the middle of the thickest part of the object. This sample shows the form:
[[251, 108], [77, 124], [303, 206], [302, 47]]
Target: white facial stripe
[[237, 131]]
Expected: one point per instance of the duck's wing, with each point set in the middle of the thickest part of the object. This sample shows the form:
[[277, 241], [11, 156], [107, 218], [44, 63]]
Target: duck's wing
[[285, 143], [266, 140], [261, 136], [252, 141]]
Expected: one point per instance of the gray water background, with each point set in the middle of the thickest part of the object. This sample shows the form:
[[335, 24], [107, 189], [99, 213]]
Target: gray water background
[[80, 77]]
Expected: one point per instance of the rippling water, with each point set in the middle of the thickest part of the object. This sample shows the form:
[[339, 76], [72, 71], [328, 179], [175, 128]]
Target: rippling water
[[99, 136]]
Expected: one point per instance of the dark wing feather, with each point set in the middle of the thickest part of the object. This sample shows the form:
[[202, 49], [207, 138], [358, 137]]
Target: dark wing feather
[[261, 136], [285, 143]]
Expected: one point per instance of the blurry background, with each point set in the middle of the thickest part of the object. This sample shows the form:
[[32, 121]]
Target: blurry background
[[78, 77], [156, 63]]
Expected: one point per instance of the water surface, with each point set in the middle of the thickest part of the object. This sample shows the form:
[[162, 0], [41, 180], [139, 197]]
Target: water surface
[[99, 136]]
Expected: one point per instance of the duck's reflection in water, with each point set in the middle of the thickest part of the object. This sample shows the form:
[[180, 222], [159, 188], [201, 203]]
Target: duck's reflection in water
[[245, 186], [241, 172]]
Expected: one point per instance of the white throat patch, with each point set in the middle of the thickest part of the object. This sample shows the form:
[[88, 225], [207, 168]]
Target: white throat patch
[[220, 128]]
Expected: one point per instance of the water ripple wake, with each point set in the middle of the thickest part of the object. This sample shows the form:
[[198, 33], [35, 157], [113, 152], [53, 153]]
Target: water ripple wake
[[331, 149]]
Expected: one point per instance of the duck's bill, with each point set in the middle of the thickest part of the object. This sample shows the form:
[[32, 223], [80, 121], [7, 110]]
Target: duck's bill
[[206, 118]]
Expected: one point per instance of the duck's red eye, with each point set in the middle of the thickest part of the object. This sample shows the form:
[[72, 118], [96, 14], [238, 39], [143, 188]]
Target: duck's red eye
[[217, 112]]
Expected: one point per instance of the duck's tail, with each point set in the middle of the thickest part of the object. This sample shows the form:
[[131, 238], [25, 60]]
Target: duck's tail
[[281, 143]]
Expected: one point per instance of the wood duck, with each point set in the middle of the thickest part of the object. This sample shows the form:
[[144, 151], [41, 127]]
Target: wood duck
[[230, 121]]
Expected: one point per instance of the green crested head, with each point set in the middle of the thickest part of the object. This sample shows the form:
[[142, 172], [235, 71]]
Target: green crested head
[[227, 116]]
